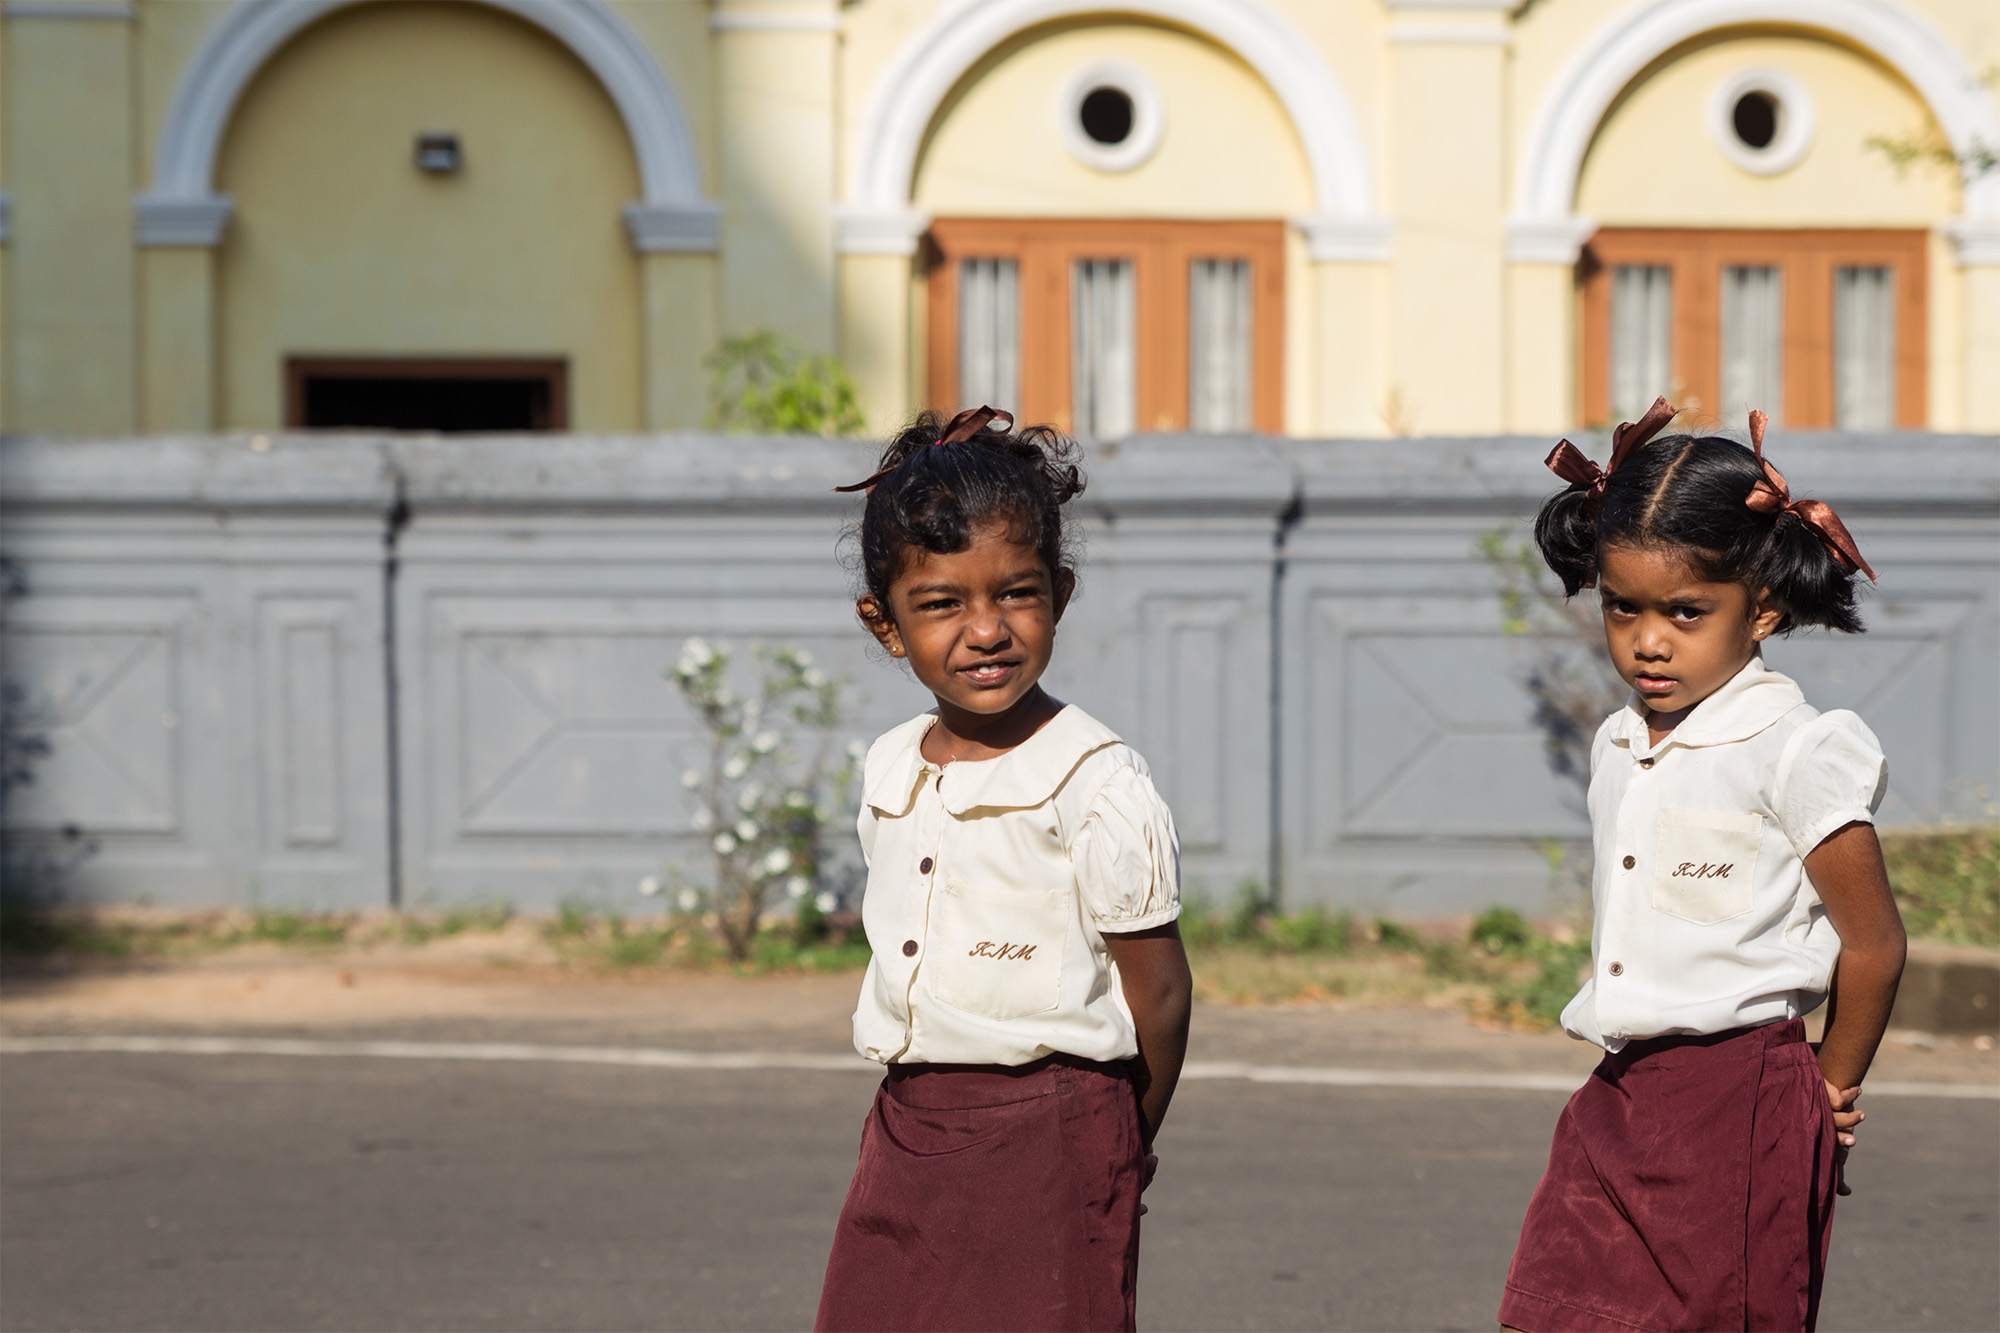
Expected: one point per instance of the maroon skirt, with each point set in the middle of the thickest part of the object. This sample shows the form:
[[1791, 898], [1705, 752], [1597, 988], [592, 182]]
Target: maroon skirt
[[1690, 1186], [992, 1197]]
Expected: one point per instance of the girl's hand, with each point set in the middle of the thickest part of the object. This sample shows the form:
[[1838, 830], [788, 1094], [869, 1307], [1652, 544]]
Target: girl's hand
[[1844, 1120], [1152, 1166]]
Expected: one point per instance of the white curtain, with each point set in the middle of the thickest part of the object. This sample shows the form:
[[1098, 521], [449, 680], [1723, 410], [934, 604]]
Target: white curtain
[[989, 337], [1103, 348], [1642, 327], [1753, 342], [1219, 345], [1864, 348]]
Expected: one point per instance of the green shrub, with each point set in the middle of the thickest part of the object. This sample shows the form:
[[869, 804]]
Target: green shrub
[[1396, 937], [1500, 930], [1314, 930], [1250, 911], [1538, 1000], [761, 385], [1947, 883]]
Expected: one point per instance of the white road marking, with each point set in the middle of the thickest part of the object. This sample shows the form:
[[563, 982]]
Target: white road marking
[[657, 1057]]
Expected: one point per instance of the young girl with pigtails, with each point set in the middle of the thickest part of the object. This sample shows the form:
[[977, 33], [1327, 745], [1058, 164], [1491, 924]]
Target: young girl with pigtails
[[1738, 884], [1028, 991]]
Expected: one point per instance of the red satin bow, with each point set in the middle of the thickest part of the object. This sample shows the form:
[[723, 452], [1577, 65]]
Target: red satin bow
[[1567, 461], [1771, 495], [963, 427]]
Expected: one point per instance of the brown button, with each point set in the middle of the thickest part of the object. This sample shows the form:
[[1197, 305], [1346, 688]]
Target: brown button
[[924, 866], [1645, 763], [909, 948], [1618, 969], [1629, 863]]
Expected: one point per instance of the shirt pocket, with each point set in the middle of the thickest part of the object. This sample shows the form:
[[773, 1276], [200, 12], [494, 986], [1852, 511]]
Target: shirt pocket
[[1705, 867], [1000, 951]]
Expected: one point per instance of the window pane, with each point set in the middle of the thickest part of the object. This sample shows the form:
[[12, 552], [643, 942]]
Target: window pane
[[1864, 348], [1753, 342], [989, 340], [1642, 321], [1219, 345], [1103, 357]]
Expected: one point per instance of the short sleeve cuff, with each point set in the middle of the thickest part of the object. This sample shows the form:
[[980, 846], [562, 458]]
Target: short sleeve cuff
[[1132, 925], [1808, 839]]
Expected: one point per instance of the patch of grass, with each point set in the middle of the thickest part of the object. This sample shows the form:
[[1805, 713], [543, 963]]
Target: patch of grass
[[586, 937], [422, 928], [1502, 969], [30, 930], [1947, 883], [308, 929]]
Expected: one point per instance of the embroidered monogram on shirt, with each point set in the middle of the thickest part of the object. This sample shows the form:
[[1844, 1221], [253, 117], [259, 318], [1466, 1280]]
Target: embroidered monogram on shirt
[[989, 949], [1705, 863]]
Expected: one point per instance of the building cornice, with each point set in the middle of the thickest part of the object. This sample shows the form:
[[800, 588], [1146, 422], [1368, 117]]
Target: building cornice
[[1557, 240], [102, 11], [163, 221], [862, 230], [673, 228], [774, 16], [1332, 239]]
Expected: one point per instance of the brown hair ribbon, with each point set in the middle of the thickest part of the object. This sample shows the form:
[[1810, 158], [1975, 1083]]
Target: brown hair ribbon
[[1771, 495], [1567, 461], [963, 427]]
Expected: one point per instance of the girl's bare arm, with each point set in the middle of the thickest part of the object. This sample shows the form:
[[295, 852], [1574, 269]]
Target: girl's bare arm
[[1848, 873], [1153, 969]]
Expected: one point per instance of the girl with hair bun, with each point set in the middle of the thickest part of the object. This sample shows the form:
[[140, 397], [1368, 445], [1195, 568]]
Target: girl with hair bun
[[1738, 885], [1028, 991]]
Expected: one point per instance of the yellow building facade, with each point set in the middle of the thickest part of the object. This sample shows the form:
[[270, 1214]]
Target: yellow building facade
[[1315, 217]]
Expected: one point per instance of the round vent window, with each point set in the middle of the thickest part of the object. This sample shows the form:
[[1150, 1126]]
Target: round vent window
[[1756, 119], [1110, 116], [1762, 120], [1106, 115]]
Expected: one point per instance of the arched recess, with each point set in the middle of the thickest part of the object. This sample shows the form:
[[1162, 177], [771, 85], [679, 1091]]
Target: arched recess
[[878, 217], [183, 209], [1545, 227]]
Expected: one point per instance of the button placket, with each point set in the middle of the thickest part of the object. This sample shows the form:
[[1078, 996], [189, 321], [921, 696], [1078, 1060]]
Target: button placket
[[929, 815]]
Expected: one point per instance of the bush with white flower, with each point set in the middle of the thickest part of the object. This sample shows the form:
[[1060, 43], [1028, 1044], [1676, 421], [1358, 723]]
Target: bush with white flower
[[773, 781]]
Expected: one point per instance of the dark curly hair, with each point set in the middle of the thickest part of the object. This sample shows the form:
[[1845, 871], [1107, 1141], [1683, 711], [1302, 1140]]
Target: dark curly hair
[[1690, 493], [933, 496]]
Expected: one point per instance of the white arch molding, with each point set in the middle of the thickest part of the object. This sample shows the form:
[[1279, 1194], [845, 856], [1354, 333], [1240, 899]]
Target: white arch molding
[[1545, 227], [183, 207], [878, 217]]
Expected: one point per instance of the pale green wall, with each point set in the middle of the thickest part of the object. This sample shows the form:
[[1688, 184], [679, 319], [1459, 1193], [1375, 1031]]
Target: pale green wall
[[71, 341], [340, 246]]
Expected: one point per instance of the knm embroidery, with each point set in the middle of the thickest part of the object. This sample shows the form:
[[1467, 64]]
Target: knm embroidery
[[988, 949], [1706, 870]]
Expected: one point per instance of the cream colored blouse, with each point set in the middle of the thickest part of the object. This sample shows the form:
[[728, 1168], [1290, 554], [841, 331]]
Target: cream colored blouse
[[991, 886], [1706, 918]]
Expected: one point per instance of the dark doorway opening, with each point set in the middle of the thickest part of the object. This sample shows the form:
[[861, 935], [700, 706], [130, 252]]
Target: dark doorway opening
[[423, 393]]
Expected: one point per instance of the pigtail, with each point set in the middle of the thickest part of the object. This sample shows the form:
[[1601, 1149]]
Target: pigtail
[[1566, 533], [1724, 509], [1051, 453], [1804, 577]]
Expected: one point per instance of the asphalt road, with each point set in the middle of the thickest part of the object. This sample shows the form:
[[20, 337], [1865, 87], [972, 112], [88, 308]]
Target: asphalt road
[[243, 1192]]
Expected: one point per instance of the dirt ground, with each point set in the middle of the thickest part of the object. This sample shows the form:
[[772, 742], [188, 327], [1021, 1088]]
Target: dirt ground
[[466, 988]]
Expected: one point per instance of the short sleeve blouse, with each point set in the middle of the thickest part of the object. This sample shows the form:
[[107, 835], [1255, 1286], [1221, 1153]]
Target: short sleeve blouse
[[992, 885], [1832, 774], [1127, 864]]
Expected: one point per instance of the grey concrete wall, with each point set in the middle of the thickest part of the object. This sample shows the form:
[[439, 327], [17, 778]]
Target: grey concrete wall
[[234, 644]]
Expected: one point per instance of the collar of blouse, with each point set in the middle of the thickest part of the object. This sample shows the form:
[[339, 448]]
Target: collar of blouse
[[1020, 779], [1752, 700]]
